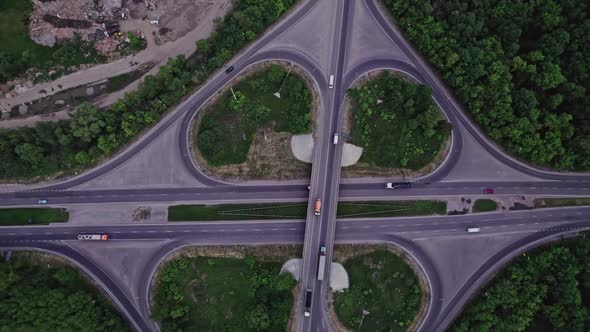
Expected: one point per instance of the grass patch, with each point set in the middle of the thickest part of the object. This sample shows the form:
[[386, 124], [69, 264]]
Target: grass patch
[[382, 284], [237, 211], [390, 209], [484, 205], [404, 130], [38, 216], [224, 294], [228, 126], [555, 202], [299, 210]]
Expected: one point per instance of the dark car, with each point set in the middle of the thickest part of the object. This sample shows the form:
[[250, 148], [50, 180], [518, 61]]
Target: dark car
[[229, 70], [488, 191]]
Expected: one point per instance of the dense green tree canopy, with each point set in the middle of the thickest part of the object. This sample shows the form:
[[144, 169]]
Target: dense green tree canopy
[[521, 68], [546, 290], [37, 298]]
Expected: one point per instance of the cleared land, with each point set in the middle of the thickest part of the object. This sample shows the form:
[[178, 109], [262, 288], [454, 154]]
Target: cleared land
[[484, 205], [555, 202], [224, 294], [385, 286], [19, 53], [396, 123], [228, 126], [299, 210], [37, 216]]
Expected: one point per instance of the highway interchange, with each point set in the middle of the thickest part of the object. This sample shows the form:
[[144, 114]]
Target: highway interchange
[[522, 228]]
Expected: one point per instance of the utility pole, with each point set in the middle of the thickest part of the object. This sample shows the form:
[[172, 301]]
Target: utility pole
[[233, 93], [365, 312], [278, 93]]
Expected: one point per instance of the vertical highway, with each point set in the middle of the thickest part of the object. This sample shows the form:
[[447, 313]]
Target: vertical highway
[[325, 180]]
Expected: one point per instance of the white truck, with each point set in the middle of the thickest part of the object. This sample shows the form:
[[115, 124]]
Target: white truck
[[93, 237], [336, 138], [473, 230], [322, 263], [331, 82]]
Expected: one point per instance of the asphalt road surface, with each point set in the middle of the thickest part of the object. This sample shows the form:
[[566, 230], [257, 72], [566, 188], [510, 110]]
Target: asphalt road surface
[[324, 184]]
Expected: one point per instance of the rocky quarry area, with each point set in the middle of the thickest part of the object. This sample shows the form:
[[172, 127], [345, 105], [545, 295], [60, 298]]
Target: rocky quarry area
[[53, 21]]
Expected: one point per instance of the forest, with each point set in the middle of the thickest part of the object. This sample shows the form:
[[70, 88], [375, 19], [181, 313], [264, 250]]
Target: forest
[[396, 123], [223, 294], [521, 68], [34, 297], [91, 134], [544, 290]]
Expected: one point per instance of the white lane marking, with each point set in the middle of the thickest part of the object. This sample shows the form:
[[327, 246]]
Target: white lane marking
[[292, 229], [186, 231]]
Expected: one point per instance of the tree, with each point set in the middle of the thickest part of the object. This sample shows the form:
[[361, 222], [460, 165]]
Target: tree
[[258, 318]]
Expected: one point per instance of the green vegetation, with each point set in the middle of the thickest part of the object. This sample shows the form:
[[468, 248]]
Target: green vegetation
[[546, 290], [555, 202], [227, 128], [390, 209], [223, 294], [37, 216], [136, 43], [118, 82], [40, 297], [384, 285], [484, 205], [71, 145], [237, 211], [299, 210], [19, 53], [406, 130], [522, 68]]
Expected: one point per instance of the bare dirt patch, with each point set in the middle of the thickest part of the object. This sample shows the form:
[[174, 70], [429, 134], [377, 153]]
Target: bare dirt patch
[[344, 252], [270, 156], [172, 19], [361, 169]]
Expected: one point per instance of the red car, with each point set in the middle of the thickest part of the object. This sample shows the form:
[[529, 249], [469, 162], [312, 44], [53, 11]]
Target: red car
[[488, 191]]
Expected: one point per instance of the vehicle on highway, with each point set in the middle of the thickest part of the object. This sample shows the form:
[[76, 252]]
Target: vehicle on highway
[[488, 191], [93, 237], [473, 229], [42, 201], [336, 138], [398, 185], [318, 207], [331, 81], [307, 311], [229, 70], [322, 263]]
